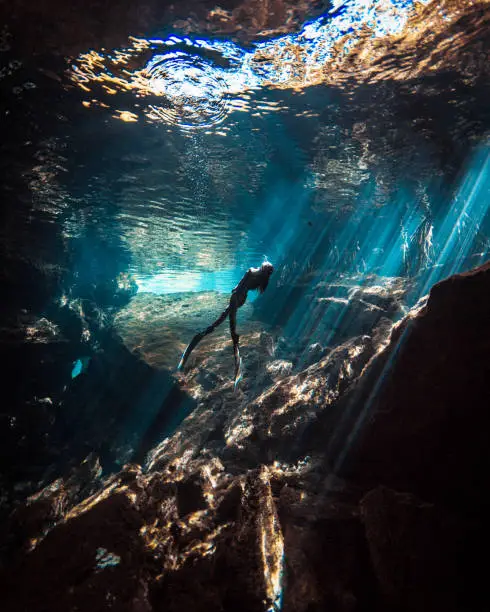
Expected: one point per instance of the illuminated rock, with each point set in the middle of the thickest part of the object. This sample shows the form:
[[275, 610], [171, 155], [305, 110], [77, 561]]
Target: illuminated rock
[[240, 478], [232, 526]]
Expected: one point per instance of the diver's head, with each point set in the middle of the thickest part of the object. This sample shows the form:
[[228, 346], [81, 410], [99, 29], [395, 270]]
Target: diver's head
[[266, 269]]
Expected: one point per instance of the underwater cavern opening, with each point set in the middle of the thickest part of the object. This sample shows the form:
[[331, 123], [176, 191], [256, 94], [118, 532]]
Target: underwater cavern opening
[[290, 200]]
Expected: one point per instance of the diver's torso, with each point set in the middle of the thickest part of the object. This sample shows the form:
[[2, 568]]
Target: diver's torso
[[250, 282]]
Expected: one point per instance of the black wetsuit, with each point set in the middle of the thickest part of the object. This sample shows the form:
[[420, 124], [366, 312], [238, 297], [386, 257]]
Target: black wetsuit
[[254, 278]]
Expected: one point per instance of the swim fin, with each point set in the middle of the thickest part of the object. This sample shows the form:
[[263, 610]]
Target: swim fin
[[238, 366], [192, 345]]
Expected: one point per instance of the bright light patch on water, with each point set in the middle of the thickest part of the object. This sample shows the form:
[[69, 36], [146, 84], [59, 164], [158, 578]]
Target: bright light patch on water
[[182, 281], [182, 87], [192, 88], [79, 366]]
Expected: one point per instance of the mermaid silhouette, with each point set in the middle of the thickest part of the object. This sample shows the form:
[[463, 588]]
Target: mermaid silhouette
[[253, 279]]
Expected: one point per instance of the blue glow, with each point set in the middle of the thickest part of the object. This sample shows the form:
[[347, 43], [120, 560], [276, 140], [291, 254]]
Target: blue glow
[[79, 366], [416, 236], [454, 242], [457, 231], [183, 281]]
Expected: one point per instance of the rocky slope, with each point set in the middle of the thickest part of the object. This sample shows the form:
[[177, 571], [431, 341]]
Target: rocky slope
[[53, 317], [357, 483]]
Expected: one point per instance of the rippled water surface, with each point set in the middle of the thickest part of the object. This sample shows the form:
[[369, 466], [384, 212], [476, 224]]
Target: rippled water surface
[[355, 144]]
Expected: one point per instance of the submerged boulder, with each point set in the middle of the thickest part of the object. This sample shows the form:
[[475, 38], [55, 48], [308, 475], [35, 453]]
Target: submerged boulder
[[422, 405], [334, 488]]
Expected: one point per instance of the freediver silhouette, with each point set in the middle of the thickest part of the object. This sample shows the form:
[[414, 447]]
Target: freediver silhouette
[[253, 279]]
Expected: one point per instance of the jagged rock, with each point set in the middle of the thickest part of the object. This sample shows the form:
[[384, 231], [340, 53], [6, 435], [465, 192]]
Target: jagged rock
[[331, 311], [279, 369], [352, 307], [245, 570], [198, 529], [328, 567], [229, 506], [46, 328], [190, 495], [422, 404], [267, 343], [326, 553], [207, 379], [30, 521], [93, 560], [272, 425], [313, 354]]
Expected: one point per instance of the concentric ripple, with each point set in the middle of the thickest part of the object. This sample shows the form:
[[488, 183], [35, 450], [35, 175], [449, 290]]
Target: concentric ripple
[[196, 83], [193, 91]]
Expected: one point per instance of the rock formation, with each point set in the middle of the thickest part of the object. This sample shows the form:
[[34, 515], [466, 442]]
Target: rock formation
[[358, 483], [343, 475]]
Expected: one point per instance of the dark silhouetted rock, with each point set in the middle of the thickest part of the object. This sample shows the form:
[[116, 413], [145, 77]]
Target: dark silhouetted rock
[[423, 402], [414, 550], [190, 496]]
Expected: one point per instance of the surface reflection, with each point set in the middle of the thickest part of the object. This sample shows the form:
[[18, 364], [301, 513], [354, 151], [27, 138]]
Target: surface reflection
[[192, 82]]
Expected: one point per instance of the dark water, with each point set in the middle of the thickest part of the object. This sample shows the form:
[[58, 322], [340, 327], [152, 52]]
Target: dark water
[[177, 163]]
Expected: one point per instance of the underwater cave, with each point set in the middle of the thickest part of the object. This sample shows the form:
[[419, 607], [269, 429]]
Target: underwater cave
[[245, 315]]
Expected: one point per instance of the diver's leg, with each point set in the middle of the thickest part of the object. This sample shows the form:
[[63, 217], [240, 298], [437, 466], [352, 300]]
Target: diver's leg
[[199, 336], [236, 338]]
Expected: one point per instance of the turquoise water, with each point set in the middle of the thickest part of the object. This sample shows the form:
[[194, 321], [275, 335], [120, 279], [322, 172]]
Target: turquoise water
[[227, 154]]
